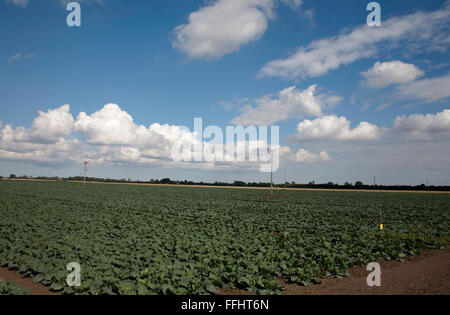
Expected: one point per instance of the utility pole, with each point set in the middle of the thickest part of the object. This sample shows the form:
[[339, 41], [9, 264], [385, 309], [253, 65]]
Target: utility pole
[[374, 181], [271, 170], [85, 171], [285, 183]]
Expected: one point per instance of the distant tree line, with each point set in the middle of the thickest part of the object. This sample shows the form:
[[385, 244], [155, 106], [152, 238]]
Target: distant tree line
[[167, 181]]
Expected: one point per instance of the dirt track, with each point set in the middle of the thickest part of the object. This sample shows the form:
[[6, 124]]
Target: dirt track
[[27, 283], [428, 273]]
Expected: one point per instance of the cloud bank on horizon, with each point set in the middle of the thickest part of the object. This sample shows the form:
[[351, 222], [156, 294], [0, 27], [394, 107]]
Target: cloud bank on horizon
[[110, 136]]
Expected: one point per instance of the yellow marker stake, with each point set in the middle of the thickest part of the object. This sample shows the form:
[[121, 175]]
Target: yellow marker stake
[[381, 226]]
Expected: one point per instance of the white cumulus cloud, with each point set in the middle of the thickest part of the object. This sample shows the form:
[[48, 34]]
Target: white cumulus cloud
[[333, 127], [48, 127], [305, 156], [222, 27], [109, 126], [290, 103], [394, 72], [420, 126], [112, 126], [52, 125]]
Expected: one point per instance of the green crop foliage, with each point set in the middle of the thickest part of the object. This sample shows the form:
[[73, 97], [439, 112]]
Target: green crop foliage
[[175, 240]]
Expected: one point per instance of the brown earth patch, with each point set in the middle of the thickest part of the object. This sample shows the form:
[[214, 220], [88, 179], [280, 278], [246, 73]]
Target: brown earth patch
[[27, 283]]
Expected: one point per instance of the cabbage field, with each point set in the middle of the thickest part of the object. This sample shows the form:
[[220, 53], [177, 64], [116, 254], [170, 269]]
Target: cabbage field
[[177, 240]]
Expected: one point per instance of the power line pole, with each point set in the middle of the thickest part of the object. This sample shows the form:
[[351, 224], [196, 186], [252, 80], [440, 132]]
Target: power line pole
[[85, 171], [271, 170]]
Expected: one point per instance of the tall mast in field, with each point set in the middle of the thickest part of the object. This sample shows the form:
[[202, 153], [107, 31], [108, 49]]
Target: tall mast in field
[[85, 171], [271, 170]]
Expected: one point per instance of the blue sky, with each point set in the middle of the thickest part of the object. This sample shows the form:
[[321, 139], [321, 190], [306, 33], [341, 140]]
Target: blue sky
[[128, 53]]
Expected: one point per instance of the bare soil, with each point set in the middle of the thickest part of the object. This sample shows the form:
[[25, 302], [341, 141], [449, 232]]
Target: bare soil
[[27, 283]]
